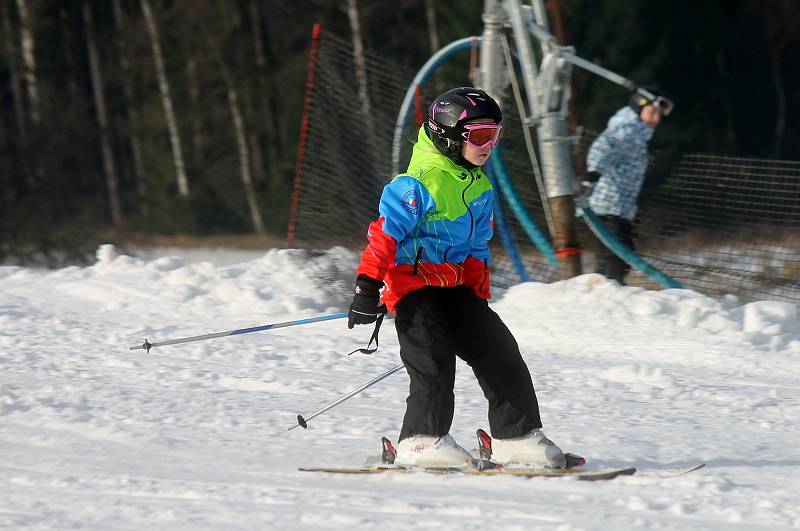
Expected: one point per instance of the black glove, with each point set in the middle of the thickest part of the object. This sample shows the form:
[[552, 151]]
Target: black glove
[[592, 176], [364, 309], [586, 188]]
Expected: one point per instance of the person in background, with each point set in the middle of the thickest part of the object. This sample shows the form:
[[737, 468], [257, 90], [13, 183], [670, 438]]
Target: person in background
[[616, 165], [428, 251]]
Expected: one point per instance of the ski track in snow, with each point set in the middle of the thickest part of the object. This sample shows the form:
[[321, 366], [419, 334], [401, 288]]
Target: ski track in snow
[[194, 436]]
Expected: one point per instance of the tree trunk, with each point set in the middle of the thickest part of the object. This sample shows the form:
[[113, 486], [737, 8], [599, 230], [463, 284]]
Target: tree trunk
[[244, 155], [197, 123], [781, 25], [272, 114], [29, 59], [260, 101], [360, 63], [16, 91], [133, 115], [66, 35], [257, 157], [433, 38], [166, 99], [112, 181], [780, 99], [433, 30]]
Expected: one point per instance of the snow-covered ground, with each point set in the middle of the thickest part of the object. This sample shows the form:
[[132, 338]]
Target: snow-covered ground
[[194, 436]]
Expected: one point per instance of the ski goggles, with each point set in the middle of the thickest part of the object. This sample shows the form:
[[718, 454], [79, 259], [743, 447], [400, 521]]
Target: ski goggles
[[478, 135], [664, 105]]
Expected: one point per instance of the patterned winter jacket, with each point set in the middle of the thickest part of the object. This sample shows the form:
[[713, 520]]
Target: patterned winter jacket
[[434, 227], [619, 154]]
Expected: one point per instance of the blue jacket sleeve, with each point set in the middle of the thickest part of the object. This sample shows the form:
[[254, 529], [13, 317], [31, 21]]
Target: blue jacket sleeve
[[484, 230], [404, 202]]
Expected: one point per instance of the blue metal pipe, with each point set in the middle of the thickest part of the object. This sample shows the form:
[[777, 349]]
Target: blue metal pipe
[[424, 73], [506, 234], [625, 253], [530, 228]]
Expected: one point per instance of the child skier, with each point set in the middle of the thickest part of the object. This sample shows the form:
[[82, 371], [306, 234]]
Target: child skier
[[429, 251], [616, 162]]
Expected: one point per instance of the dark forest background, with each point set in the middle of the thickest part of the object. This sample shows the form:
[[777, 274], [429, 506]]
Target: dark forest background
[[103, 102]]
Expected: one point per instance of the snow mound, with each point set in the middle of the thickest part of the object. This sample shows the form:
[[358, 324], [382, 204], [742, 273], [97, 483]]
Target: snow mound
[[769, 324]]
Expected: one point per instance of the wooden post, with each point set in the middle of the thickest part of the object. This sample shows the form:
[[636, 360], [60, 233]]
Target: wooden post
[[565, 241]]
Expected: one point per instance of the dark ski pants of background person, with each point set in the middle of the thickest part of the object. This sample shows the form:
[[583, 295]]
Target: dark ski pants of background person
[[434, 325], [609, 264]]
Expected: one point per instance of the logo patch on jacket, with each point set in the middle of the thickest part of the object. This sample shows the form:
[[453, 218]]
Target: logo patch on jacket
[[410, 202]]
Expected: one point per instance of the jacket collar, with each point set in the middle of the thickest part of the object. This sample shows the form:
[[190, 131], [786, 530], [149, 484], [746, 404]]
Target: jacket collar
[[627, 117], [425, 156]]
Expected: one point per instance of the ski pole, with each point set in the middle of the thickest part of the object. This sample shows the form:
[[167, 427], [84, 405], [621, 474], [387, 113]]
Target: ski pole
[[147, 345], [303, 422]]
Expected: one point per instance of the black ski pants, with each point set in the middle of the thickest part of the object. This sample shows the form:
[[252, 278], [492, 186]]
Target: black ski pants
[[434, 325], [609, 264]]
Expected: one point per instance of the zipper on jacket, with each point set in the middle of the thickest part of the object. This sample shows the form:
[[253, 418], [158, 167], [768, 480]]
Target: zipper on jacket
[[416, 260], [464, 200]]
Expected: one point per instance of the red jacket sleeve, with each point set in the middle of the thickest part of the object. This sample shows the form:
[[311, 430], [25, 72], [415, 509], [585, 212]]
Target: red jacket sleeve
[[379, 254]]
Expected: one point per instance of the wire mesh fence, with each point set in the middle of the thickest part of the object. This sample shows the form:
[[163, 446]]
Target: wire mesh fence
[[728, 225], [720, 225]]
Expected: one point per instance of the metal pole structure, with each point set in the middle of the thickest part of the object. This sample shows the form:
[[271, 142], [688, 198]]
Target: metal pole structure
[[547, 98], [540, 18], [599, 70], [146, 346], [511, 14], [526, 133], [557, 167], [492, 75], [527, 60], [303, 421], [547, 91]]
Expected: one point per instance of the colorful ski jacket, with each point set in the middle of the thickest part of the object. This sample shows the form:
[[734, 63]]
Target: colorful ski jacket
[[619, 155], [435, 222]]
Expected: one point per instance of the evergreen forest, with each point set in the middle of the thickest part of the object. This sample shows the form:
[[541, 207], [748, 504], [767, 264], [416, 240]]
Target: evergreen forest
[[121, 118]]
